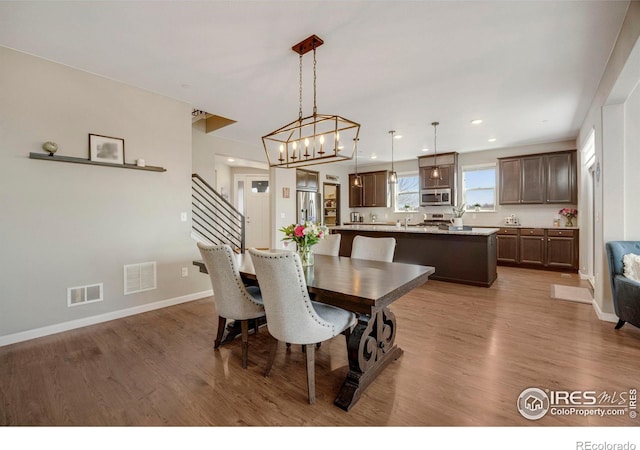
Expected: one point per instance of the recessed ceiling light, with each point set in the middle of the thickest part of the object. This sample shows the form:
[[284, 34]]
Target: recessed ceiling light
[[374, 157], [476, 121], [397, 136], [425, 149], [492, 140], [231, 160]]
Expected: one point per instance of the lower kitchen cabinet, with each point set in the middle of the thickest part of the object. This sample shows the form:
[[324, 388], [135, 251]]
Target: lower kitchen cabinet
[[562, 249], [544, 248], [532, 246], [507, 243]]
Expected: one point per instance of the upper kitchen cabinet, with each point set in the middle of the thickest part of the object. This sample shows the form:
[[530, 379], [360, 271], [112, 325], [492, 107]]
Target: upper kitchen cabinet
[[538, 179], [561, 178], [447, 165], [307, 180], [374, 190]]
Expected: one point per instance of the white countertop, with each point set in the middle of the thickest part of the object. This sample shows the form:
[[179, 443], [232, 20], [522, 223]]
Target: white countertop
[[414, 229]]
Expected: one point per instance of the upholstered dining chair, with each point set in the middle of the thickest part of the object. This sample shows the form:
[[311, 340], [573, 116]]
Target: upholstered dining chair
[[375, 249], [233, 299], [625, 290], [330, 245], [291, 315]]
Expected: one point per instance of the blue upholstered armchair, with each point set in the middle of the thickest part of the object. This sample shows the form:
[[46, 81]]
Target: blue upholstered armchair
[[626, 292]]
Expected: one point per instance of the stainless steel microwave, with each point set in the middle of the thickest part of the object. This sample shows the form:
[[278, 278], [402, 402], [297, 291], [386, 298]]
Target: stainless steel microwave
[[430, 197]]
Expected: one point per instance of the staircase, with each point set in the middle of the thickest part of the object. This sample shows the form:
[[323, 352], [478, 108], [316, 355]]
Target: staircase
[[214, 220]]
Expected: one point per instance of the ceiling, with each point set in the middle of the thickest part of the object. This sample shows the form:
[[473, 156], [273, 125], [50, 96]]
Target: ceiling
[[528, 69]]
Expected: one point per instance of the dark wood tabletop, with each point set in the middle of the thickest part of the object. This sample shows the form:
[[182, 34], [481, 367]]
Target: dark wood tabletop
[[358, 285]]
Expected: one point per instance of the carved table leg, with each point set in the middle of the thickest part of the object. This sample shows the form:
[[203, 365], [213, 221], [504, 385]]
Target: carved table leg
[[371, 348]]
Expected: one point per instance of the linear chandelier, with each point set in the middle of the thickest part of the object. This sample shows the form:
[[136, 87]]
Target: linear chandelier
[[314, 139]]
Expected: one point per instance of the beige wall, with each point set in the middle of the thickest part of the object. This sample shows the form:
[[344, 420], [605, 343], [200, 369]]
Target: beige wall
[[64, 225]]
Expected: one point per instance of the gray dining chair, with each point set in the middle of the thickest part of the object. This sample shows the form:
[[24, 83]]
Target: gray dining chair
[[625, 291], [330, 245], [374, 249], [291, 315], [233, 299]]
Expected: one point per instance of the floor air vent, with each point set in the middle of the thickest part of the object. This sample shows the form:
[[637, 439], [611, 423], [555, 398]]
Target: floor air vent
[[81, 295], [139, 277]]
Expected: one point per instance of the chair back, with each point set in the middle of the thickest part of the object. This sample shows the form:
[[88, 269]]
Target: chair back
[[330, 245], [232, 299], [615, 254], [375, 249], [290, 314]]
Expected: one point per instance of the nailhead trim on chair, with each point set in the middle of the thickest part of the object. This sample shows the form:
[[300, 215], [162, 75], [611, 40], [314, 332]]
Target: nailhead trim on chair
[[232, 261]]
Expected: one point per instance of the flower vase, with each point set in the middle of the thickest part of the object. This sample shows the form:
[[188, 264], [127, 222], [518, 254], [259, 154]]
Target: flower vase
[[306, 256], [568, 222]]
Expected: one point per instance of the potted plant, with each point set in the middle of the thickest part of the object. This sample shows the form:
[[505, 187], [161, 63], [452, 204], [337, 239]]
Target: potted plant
[[476, 206], [458, 212]]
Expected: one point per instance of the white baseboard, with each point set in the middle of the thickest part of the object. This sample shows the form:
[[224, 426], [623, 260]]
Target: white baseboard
[[79, 323], [607, 317]]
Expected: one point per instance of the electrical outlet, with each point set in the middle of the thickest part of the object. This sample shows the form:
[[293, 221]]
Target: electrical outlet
[[183, 216], [185, 271]]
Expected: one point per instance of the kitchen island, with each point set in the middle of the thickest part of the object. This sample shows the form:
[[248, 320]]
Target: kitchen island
[[464, 256]]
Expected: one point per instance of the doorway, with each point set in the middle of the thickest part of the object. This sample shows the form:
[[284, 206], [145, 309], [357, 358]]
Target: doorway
[[588, 208], [252, 194], [331, 204]]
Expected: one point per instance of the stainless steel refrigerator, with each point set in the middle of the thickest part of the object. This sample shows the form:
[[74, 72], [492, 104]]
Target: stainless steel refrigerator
[[309, 205]]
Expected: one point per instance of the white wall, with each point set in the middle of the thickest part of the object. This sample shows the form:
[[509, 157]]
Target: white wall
[[65, 225], [612, 114], [631, 166]]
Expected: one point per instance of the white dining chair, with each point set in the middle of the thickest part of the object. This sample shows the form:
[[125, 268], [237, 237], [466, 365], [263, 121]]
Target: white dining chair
[[330, 245], [233, 299], [291, 315], [375, 249]]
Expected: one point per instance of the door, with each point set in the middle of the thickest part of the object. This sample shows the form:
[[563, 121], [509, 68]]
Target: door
[[256, 211], [510, 185]]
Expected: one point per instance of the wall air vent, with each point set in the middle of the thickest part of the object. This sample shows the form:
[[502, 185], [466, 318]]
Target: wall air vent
[[81, 295], [139, 277]]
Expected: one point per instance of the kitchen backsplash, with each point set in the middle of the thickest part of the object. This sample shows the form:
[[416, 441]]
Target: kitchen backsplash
[[529, 215]]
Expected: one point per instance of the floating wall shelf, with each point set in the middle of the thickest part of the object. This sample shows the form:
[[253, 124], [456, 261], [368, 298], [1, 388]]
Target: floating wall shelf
[[71, 159]]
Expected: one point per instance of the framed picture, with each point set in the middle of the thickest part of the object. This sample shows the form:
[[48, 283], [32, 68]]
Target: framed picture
[[106, 149]]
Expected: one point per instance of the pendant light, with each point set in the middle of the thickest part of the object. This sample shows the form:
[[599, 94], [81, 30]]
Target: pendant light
[[314, 139], [435, 172], [357, 181], [393, 176]]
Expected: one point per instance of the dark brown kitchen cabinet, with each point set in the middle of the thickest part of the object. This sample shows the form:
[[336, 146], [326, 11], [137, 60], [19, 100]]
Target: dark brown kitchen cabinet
[[561, 178], [307, 180], [543, 248], [532, 246], [510, 184], [538, 179], [445, 180], [355, 193], [562, 249], [533, 188], [507, 242], [374, 191]]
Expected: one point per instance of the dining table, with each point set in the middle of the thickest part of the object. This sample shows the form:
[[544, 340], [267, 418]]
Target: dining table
[[366, 288]]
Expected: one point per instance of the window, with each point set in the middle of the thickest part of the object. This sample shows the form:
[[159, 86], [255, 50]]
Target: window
[[407, 192], [479, 187]]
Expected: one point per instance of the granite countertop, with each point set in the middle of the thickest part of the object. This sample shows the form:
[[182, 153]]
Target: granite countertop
[[416, 229], [546, 227]]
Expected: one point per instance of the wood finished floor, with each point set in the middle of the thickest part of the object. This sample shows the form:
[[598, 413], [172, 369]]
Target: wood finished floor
[[468, 353]]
